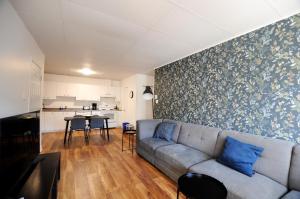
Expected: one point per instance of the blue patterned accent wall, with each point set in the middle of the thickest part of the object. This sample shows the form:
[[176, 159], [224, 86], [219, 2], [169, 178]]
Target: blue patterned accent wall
[[250, 84]]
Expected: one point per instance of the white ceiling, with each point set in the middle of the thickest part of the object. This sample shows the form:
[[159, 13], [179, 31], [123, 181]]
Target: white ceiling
[[118, 38]]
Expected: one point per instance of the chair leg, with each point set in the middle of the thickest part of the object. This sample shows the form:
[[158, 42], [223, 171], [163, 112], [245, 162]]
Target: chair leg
[[87, 134], [70, 136], [122, 141], [86, 137], [103, 133]]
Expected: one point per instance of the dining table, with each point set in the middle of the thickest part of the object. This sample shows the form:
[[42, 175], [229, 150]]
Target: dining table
[[88, 118]]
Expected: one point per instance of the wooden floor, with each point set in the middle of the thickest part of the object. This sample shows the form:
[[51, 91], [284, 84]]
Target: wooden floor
[[101, 170]]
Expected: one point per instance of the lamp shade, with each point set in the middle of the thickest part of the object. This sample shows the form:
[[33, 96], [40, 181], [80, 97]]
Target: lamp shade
[[148, 94]]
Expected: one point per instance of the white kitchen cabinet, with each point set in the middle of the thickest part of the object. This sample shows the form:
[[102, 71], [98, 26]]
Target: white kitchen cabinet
[[88, 92], [107, 90], [48, 122], [94, 93], [117, 93], [66, 89], [54, 121], [82, 91], [50, 90]]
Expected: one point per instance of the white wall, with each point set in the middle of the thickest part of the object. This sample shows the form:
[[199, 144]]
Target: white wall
[[144, 107], [136, 108], [18, 51], [128, 113]]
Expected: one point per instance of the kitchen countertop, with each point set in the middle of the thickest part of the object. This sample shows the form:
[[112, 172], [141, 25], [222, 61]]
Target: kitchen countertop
[[72, 110]]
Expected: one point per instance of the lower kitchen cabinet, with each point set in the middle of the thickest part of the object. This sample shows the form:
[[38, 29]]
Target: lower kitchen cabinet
[[54, 121]]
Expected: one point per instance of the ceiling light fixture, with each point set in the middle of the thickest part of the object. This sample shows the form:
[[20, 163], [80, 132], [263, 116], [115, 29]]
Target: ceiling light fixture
[[86, 71]]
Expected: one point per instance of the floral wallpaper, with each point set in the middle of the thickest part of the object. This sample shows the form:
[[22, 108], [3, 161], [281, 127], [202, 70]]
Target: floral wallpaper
[[250, 84]]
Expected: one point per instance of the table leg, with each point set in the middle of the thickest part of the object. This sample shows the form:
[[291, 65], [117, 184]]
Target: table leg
[[128, 141], [132, 144], [106, 121], [66, 131]]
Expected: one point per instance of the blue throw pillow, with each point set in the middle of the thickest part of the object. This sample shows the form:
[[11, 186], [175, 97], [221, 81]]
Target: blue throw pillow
[[165, 130], [240, 156]]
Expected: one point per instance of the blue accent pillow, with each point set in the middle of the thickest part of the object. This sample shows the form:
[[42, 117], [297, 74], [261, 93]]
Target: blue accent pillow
[[165, 130], [240, 156]]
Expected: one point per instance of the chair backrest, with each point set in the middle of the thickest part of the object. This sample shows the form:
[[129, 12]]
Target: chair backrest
[[78, 123], [96, 122]]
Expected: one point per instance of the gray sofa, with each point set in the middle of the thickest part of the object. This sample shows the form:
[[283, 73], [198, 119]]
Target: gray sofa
[[195, 148]]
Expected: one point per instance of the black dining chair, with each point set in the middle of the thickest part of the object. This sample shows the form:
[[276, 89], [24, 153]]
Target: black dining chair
[[96, 122], [78, 124]]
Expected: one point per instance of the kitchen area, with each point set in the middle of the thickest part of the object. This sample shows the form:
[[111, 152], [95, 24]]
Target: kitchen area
[[67, 96]]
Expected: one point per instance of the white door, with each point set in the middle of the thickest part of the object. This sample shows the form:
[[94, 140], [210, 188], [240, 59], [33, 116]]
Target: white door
[[35, 88]]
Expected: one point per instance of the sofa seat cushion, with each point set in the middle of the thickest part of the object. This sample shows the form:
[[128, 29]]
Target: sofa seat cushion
[[240, 186], [151, 144], [292, 195], [180, 157]]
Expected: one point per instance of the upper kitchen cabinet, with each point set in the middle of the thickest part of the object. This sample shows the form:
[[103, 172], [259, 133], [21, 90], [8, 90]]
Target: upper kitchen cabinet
[[50, 90], [116, 93], [106, 89], [88, 92], [83, 89], [66, 89]]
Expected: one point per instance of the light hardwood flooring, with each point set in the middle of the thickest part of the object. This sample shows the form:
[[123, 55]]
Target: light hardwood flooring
[[101, 170]]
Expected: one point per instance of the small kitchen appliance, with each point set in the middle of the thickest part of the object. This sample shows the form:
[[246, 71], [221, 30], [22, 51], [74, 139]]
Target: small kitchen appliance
[[94, 106]]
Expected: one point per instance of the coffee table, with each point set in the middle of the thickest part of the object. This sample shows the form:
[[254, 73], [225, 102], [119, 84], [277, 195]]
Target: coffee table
[[200, 186]]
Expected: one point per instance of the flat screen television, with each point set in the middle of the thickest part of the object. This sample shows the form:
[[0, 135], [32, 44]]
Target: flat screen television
[[19, 146]]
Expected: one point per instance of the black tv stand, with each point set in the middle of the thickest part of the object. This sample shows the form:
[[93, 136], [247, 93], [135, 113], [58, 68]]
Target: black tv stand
[[42, 182]]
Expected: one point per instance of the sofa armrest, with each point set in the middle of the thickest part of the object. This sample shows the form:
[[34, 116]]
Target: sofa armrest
[[146, 128]]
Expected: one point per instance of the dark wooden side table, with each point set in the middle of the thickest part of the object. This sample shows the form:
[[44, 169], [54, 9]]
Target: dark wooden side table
[[200, 186], [131, 133], [43, 180]]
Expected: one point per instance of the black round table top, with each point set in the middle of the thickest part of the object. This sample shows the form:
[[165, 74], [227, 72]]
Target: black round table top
[[129, 131], [200, 186]]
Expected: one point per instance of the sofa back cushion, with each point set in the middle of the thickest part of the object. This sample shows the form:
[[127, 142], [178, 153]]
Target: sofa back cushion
[[165, 131], [146, 128], [176, 130], [294, 180], [275, 159], [199, 137]]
